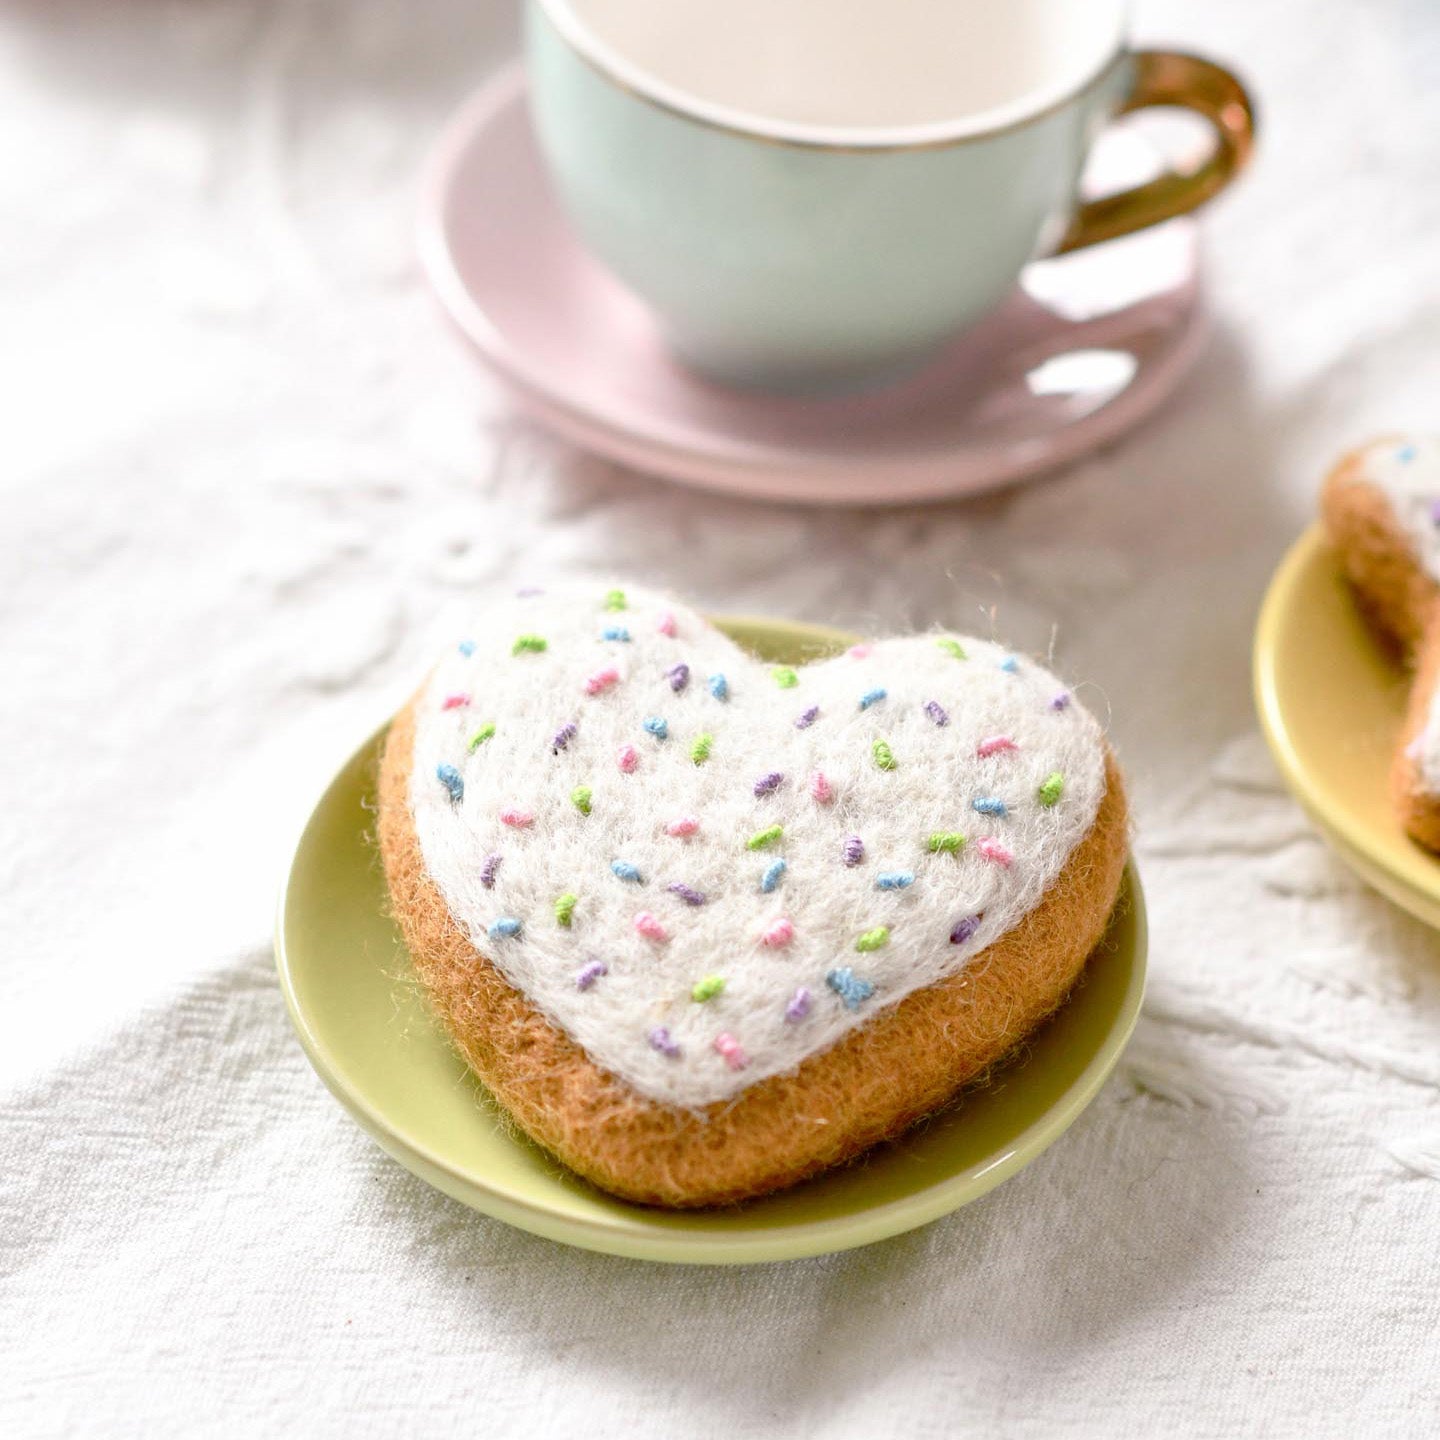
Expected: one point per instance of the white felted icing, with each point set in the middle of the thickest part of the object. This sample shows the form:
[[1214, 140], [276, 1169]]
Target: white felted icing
[[768, 931]]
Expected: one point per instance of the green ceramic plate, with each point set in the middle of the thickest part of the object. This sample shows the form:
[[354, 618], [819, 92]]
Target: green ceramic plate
[[1331, 704], [344, 971]]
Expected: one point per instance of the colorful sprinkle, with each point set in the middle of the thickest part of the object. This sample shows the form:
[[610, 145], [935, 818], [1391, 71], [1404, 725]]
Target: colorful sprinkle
[[451, 779], [505, 928], [683, 825], [1435, 512], [615, 600], [624, 870], [807, 718], [580, 798], [966, 929], [719, 687], [993, 745], [660, 1040], [466, 648], [780, 933], [875, 939], [859, 652], [565, 910], [872, 697], [484, 733], [853, 850], [761, 838], [952, 647], [799, 1006], [946, 842], [587, 975], [678, 676], [488, 869], [528, 592], [688, 895], [654, 725], [769, 784], [516, 819], [457, 701], [937, 712], [1061, 700], [771, 878], [1405, 454], [529, 645], [615, 632], [627, 758], [667, 624], [602, 680], [728, 1047], [988, 805], [1051, 789], [1010, 664], [562, 737], [700, 750], [785, 676], [895, 880], [821, 791], [883, 756], [650, 927], [992, 849], [850, 987], [707, 989]]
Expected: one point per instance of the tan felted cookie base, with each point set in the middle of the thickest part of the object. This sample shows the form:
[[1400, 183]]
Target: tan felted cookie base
[[1403, 603], [904, 1064]]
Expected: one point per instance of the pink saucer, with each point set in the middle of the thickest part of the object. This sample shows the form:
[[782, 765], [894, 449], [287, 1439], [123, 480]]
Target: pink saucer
[[1086, 347]]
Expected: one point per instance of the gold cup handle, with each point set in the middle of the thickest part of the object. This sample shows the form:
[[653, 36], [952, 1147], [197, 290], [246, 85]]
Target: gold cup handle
[[1166, 77]]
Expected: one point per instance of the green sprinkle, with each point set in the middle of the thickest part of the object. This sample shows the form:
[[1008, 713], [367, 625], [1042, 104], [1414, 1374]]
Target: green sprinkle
[[952, 647], [483, 734], [533, 644], [785, 677], [708, 988], [580, 798], [883, 755], [700, 750], [1049, 791], [946, 842], [615, 600], [565, 908], [873, 939], [761, 838]]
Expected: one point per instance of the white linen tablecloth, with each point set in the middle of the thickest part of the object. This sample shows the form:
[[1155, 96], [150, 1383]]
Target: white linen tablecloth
[[249, 479]]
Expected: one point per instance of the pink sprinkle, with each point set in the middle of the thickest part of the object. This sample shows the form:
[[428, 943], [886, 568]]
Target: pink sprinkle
[[650, 927], [729, 1049], [859, 652], [457, 701], [821, 788], [602, 680], [628, 758], [992, 849], [685, 825], [667, 624], [782, 932], [519, 819], [994, 744]]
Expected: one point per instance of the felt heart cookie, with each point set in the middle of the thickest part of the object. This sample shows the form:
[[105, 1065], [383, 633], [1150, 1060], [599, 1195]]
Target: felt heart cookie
[[705, 925], [1381, 506]]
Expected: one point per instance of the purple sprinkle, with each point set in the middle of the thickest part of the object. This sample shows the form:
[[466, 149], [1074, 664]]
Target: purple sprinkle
[[807, 718], [799, 1006], [590, 973], [853, 850], [689, 896], [529, 591], [1435, 512], [487, 871], [966, 929], [1060, 701], [660, 1040], [769, 784], [562, 737], [936, 711], [679, 677]]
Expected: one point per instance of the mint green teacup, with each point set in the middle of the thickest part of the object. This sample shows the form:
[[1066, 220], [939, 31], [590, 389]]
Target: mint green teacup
[[816, 194]]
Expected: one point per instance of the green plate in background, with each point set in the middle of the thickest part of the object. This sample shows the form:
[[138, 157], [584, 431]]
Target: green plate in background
[[367, 1031]]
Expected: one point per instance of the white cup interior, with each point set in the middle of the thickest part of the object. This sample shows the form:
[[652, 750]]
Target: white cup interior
[[879, 72]]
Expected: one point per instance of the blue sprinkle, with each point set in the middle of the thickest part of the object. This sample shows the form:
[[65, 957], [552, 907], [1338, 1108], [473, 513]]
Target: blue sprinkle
[[449, 777], [1405, 454], [719, 687], [807, 718], [467, 648], [1010, 664], [614, 632], [624, 870], [871, 697], [850, 987], [771, 878], [503, 928], [988, 805], [656, 726], [894, 880]]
